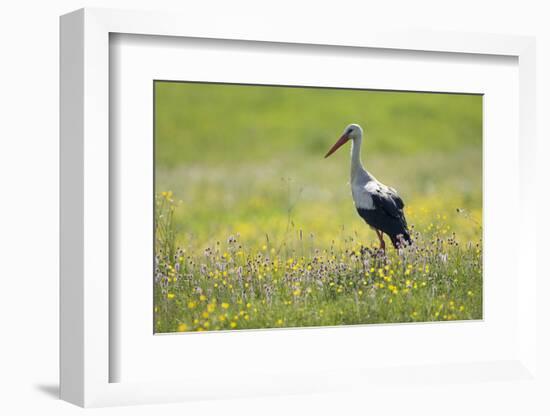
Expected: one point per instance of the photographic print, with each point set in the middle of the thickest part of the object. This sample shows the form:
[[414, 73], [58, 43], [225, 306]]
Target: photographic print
[[280, 207]]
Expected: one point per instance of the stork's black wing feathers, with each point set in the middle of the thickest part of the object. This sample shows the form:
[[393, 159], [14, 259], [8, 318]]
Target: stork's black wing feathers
[[396, 198], [387, 214], [389, 202]]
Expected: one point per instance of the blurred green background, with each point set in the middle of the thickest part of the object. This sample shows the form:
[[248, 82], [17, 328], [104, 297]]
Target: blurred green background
[[250, 160]]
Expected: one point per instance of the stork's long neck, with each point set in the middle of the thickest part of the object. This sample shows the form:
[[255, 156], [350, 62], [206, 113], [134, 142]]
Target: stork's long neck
[[357, 169]]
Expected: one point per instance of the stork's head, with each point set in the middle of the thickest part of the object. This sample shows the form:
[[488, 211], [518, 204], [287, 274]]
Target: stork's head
[[351, 132]]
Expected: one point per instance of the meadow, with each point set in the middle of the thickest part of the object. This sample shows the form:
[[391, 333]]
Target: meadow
[[255, 229]]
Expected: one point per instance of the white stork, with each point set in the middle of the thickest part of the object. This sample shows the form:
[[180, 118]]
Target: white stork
[[379, 205]]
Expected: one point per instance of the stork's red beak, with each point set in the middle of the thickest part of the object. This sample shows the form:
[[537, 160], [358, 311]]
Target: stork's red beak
[[337, 145]]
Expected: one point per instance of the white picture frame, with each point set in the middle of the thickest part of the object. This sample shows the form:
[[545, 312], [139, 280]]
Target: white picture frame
[[86, 305]]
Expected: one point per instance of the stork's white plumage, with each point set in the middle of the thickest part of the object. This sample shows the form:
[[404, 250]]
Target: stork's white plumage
[[379, 205]]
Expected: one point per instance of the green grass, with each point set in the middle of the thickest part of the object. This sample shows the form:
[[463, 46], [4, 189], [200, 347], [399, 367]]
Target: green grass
[[248, 161], [232, 286], [211, 123]]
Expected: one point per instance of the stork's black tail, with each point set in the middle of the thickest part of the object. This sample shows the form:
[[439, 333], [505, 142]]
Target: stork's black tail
[[400, 240]]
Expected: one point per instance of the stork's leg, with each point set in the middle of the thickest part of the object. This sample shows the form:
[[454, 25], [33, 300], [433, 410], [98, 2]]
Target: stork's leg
[[380, 235]]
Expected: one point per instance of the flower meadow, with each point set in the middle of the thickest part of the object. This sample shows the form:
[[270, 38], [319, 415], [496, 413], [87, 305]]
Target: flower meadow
[[233, 285], [255, 229]]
